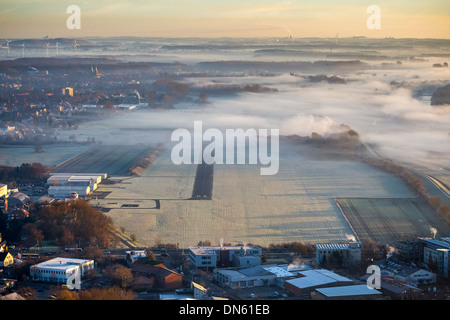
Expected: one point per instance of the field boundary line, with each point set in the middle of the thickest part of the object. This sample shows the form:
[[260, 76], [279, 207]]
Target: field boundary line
[[438, 184], [60, 164], [346, 219]]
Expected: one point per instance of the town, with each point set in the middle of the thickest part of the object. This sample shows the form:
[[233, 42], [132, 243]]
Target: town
[[94, 207], [34, 268]]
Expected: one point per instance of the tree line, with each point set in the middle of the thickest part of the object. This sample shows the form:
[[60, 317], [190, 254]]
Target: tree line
[[69, 224]]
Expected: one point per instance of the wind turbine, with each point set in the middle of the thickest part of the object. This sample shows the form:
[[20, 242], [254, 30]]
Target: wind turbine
[[7, 45], [75, 45], [46, 45], [23, 50], [57, 46]]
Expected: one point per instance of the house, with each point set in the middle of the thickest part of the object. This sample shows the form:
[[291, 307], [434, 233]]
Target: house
[[18, 214], [199, 292], [132, 256], [6, 284], [148, 277], [3, 190], [18, 200], [6, 259]]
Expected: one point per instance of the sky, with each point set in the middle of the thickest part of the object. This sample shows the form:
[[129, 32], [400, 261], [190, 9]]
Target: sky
[[225, 18]]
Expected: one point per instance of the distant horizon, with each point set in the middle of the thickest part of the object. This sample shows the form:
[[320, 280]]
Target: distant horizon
[[222, 37], [230, 19]]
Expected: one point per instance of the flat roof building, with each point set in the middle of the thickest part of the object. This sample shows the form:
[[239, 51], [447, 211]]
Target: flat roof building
[[58, 270], [435, 255], [222, 256], [245, 278], [309, 280], [353, 292], [348, 254]]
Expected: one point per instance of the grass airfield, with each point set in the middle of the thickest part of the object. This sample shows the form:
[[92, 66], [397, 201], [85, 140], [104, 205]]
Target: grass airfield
[[297, 204]]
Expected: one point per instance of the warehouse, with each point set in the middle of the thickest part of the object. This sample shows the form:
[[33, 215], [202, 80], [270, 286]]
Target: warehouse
[[245, 278], [310, 280], [407, 273], [354, 292], [65, 191], [63, 184]]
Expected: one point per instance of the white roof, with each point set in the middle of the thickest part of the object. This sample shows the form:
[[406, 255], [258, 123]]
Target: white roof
[[62, 263], [174, 296], [313, 278], [346, 291], [212, 249], [283, 271], [332, 246]]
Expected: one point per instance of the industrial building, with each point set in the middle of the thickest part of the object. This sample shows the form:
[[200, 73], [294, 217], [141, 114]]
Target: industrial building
[[348, 254], [65, 191], [245, 278], [58, 270], [353, 292], [310, 280], [224, 256], [257, 276], [394, 288], [61, 185], [405, 273]]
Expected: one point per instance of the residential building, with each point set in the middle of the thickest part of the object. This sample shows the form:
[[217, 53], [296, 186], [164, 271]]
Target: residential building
[[409, 251], [435, 255], [6, 259], [3, 190], [18, 200], [148, 276], [6, 284], [58, 270], [199, 292], [68, 91], [18, 214]]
